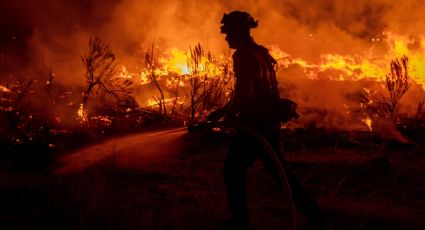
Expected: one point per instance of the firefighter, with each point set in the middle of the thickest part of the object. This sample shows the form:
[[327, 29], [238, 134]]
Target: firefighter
[[255, 88]]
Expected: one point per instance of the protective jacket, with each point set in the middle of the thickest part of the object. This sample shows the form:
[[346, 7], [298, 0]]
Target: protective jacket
[[256, 91]]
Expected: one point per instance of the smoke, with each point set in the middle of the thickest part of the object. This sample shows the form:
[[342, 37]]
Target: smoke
[[56, 32]]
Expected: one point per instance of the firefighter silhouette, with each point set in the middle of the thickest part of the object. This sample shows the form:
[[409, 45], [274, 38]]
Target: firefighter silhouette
[[255, 87]]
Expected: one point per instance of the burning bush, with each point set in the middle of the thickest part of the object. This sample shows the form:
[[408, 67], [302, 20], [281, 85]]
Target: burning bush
[[101, 75], [397, 83], [189, 84]]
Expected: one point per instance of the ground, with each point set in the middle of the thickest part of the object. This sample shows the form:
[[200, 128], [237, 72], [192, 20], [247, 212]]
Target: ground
[[173, 180]]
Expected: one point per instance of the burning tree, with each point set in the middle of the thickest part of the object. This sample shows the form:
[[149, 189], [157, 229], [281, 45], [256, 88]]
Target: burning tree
[[208, 81], [151, 63], [397, 83], [380, 111], [101, 75], [100, 67]]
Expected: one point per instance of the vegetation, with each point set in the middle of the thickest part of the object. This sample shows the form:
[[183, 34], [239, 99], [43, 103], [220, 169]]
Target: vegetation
[[100, 67], [151, 64], [397, 83]]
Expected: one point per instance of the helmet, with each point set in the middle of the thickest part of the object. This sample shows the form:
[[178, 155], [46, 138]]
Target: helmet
[[237, 20]]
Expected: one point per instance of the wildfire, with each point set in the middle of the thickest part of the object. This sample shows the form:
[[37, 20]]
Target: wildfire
[[337, 67], [174, 69]]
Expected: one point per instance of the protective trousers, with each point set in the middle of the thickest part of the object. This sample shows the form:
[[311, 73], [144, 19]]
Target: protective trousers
[[243, 152]]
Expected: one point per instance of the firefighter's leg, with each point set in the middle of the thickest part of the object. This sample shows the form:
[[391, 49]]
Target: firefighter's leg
[[238, 161], [302, 197], [272, 134], [300, 194]]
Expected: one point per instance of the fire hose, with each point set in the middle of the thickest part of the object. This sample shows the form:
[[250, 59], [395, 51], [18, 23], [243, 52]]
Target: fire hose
[[276, 163]]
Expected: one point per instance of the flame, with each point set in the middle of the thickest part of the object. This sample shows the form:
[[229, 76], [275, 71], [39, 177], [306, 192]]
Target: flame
[[143, 77], [153, 103], [4, 89], [368, 122], [82, 113], [414, 49], [124, 73], [172, 82], [347, 67], [175, 67], [176, 62], [364, 66]]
